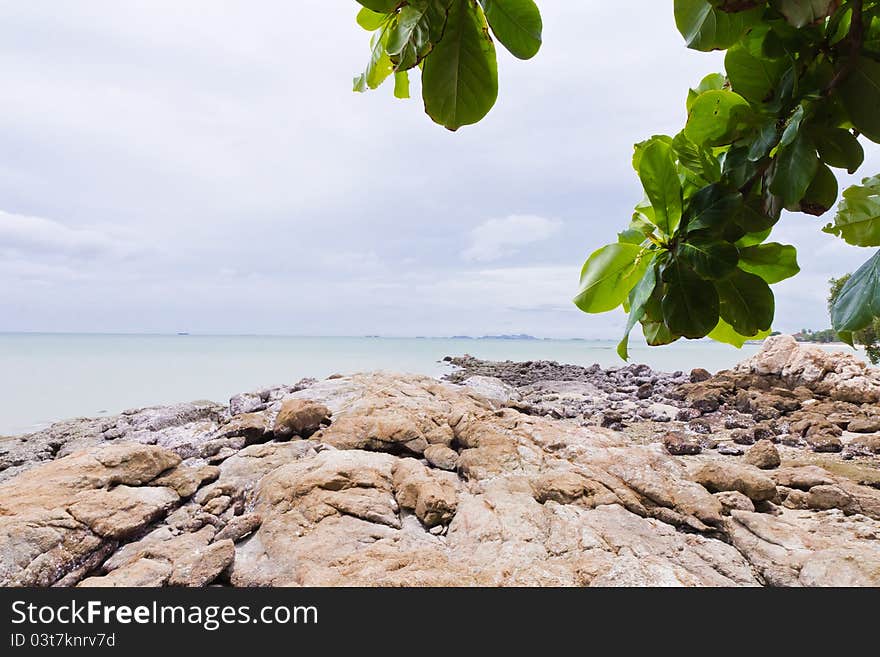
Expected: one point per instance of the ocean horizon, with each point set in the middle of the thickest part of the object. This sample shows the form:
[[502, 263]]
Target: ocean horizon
[[55, 376]]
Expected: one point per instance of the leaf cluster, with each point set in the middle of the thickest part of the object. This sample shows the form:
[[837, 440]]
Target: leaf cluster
[[450, 42], [799, 94]]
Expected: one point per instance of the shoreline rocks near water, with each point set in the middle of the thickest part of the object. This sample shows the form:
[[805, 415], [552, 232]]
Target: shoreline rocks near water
[[505, 474]]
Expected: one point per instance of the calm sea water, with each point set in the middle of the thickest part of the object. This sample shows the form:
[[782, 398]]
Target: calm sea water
[[49, 377]]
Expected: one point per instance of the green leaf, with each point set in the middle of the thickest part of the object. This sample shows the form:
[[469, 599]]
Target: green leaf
[[712, 207], [460, 78], [712, 82], [754, 78], [707, 28], [858, 215], [860, 93], [796, 166], [710, 258], [516, 24], [839, 148], [801, 13], [725, 333], [750, 239], [639, 148], [379, 67], [765, 140], [772, 261], [858, 302], [659, 177], [401, 84], [716, 117], [792, 126], [370, 20], [638, 298], [631, 236], [821, 194], [380, 6], [608, 276], [690, 305], [417, 28], [747, 302]]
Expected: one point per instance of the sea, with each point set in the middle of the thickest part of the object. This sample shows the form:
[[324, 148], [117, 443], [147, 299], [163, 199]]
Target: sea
[[49, 377]]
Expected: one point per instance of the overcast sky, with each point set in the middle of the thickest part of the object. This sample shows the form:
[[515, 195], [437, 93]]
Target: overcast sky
[[204, 166]]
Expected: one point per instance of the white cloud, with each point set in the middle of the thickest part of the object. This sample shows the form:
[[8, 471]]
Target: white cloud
[[499, 238], [45, 237]]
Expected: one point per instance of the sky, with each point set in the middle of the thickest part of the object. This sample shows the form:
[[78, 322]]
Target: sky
[[205, 167]]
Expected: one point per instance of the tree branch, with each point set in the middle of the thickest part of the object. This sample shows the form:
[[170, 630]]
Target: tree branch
[[856, 38]]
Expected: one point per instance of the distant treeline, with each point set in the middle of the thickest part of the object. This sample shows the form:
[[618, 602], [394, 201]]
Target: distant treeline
[[823, 336]]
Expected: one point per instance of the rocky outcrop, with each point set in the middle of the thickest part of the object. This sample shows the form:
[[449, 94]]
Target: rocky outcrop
[[405, 480]]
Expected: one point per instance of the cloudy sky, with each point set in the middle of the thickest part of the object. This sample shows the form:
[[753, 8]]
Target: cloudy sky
[[204, 166]]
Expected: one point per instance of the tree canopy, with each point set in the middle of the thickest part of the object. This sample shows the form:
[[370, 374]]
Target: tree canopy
[[799, 96]]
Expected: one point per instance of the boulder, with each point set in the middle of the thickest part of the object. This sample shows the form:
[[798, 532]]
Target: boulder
[[441, 456], [299, 417], [678, 444], [764, 455], [728, 476]]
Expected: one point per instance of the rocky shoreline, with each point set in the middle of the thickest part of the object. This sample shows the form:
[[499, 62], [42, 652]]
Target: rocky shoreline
[[506, 473]]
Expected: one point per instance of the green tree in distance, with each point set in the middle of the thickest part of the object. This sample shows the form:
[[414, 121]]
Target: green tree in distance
[[800, 92]]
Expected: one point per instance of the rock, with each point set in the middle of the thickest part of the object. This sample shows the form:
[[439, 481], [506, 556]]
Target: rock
[[700, 426], [746, 479], [763, 431], [432, 495], [202, 566], [706, 401], [838, 375], [143, 573], [729, 450], [820, 442], [734, 500], [662, 412], [741, 437], [246, 402], [239, 527], [802, 477], [531, 500], [699, 374], [253, 427], [493, 389], [864, 425], [440, 456], [186, 481], [60, 515], [299, 417], [645, 391], [763, 454], [865, 444], [679, 444]]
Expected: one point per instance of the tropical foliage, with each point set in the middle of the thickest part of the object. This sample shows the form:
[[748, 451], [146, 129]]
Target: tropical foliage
[[799, 96]]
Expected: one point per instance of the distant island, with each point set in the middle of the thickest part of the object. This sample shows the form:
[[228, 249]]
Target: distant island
[[824, 336]]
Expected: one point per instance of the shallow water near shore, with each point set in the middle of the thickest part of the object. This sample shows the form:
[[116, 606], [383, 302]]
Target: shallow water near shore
[[50, 377]]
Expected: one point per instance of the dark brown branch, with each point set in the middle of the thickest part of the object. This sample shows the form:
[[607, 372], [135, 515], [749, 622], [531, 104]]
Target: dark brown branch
[[856, 38]]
